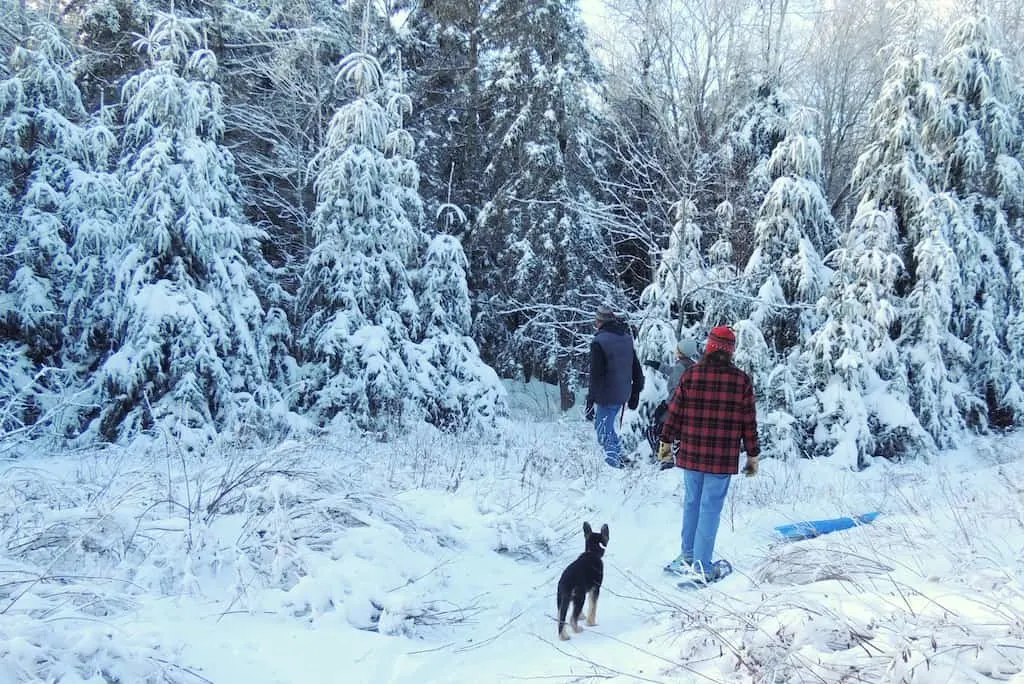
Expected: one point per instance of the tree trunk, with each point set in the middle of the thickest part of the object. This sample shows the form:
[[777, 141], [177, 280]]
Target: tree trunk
[[565, 394], [567, 399]]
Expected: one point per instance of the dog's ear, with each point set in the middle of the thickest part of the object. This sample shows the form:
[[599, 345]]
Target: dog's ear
[[604, 533], [586, 529]]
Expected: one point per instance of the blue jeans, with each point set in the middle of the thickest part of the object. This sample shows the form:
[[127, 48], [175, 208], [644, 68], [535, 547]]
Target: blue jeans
[[702, 510], [607, 437]]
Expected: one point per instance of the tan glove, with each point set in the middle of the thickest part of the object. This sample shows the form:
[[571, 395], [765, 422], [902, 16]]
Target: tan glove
[[750, 469], [664, 452]]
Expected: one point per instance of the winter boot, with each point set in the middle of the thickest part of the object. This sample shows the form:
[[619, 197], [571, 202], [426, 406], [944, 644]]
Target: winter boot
[[681, 565]]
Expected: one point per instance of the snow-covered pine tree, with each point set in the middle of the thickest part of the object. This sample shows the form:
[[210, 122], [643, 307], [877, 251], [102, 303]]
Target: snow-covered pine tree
[[858, 376], [741, 182], [94, 210], [673, 303], [753, 134], [277, 60], [356, 299], [189, 353], [459, 389], [785, 277], [441, 48], [673, 306], [384, 341], [783, 408], [794, 228], [724, 301], [663, 316], [537, 249], [46, 153], [892, 176], [976, 136], [936, 361]]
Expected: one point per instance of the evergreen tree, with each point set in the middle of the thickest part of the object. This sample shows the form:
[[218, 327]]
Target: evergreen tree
[[278, 60], [723, 301], [753, 134], [356, 296], [538, 250], [673, 303], [672, 308], [441, 48], [779, 387], [94, 210], [976, 135], [739, 182], [106, 30], [44, 144], [893, 177], [786, 275], [794, 228], [49, 153], [384, 341], [860, 382], [935, 360], [189, 354], [460, 390]]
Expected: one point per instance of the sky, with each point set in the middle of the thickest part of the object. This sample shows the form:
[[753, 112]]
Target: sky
[[435, 558]]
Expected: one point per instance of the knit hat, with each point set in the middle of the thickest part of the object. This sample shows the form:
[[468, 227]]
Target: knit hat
[[605, 314], [687, 347], [721, 339]]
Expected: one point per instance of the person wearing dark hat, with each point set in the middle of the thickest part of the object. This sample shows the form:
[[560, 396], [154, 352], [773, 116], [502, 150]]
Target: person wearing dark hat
[[616, 379], [686, 352], [712, 416]]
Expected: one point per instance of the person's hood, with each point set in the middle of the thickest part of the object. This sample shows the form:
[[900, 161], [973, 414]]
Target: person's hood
[[615, 328]]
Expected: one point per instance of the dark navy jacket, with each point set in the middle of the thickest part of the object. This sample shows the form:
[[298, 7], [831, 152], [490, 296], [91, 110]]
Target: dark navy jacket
[[615, 373]]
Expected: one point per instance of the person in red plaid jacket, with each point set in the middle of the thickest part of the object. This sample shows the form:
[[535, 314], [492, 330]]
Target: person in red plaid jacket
[[712, 415]]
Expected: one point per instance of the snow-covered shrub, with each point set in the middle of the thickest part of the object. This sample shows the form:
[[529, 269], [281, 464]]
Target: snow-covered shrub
[[82, 652], [71, 551], [459, 389], [524, 538]]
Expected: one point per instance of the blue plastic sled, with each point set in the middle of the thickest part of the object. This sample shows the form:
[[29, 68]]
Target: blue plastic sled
[[810, 529]]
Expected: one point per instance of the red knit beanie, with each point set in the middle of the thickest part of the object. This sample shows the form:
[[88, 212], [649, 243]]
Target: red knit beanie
[[721, 339]]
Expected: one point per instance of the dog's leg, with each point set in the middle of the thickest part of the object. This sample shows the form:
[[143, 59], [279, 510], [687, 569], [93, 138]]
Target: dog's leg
[[592, 612], [578, 598], [563, 608]]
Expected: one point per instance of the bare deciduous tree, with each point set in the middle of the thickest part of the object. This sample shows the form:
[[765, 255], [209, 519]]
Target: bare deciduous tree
[[843, 71]]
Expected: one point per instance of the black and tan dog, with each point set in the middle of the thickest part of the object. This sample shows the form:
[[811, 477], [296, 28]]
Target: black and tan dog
[[580, 579]]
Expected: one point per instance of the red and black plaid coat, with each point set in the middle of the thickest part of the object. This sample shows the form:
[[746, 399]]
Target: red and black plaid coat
[[711, 414]]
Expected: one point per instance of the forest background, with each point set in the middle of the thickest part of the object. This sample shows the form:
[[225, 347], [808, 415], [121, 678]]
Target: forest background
[[256, 219]]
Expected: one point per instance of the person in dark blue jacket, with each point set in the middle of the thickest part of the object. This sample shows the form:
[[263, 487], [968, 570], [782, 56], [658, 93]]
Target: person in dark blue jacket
[[616, 379]]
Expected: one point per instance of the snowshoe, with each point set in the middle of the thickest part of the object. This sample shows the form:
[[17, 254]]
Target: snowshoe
[[720, 569]]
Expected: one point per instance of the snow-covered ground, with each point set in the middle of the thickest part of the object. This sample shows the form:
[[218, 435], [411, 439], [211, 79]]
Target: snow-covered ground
[[434, 559]]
